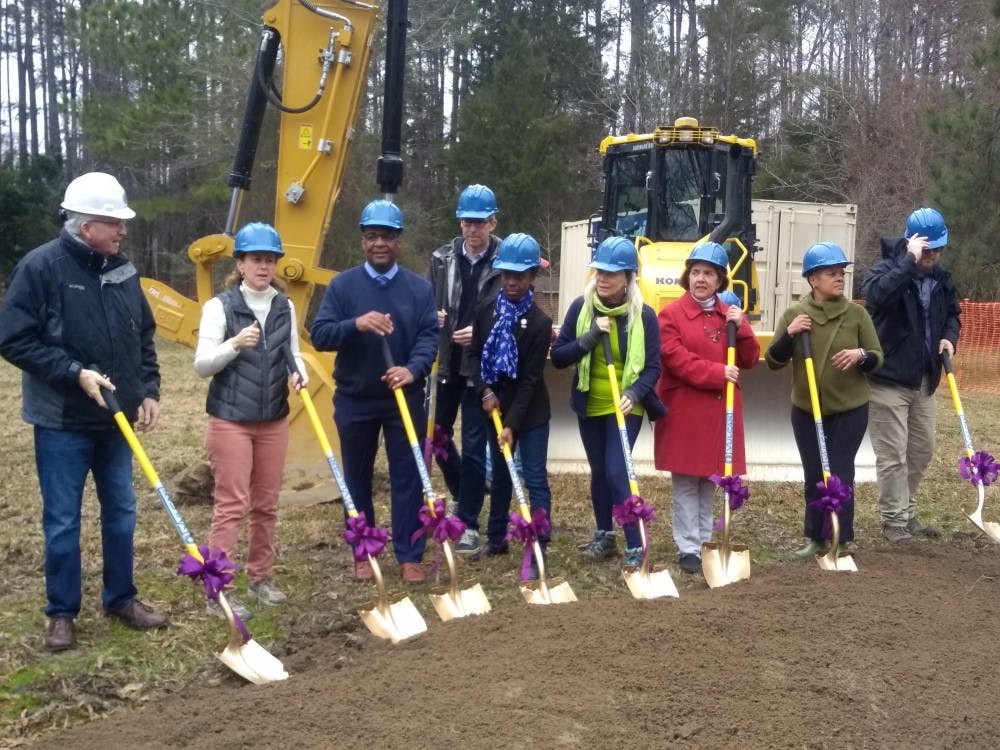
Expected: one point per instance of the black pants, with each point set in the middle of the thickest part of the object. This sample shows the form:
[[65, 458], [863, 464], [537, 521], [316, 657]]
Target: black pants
[[844, 433]]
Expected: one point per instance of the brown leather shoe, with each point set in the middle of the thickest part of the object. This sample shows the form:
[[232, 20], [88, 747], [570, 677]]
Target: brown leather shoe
[[61, 633], [412, 572], [138, 616], [363, 570]]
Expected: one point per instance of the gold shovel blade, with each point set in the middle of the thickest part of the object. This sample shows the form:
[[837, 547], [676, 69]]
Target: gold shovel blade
[[839, 563], [467, 599], [653, 583], [249, 660], [398, 620], [394, 617], [990, 528], [553, 591], [722, 567]]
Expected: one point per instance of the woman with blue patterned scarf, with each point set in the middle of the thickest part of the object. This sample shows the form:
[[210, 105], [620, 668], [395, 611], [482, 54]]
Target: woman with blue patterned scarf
[[611, 304], [510, 343]]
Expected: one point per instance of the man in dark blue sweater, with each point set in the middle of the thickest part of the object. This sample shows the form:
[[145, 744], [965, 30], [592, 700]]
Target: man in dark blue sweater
[[362, 305]]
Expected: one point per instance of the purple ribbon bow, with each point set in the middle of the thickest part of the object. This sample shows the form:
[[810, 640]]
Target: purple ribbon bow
[[834, 498], [525, 532], [215, 572], [438, 525], [364, 539], [632, 510], [737, 491], [436, 446], [979, 468]]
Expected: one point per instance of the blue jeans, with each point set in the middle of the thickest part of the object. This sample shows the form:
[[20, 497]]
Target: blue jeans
[[63, 459], [465, 474], [533, 445]]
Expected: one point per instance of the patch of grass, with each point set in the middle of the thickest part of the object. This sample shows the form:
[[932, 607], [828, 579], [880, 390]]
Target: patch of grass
[[115, 667]]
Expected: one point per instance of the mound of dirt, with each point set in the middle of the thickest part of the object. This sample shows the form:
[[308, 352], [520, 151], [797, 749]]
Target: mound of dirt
[[898, 655]]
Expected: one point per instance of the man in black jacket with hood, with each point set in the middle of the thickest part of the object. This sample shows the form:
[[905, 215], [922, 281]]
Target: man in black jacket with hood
[[915, 307]]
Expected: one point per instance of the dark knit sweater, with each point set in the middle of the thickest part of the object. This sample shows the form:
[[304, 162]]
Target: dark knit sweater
[[360, 364]]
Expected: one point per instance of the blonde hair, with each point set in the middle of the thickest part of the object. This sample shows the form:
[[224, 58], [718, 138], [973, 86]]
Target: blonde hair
[[633, 297]]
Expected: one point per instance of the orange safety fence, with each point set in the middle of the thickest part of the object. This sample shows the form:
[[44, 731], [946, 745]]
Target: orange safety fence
[[977, 357]]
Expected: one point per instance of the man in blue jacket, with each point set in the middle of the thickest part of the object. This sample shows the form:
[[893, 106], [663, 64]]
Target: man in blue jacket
[[75, 320], [364, 305], [915, 308]]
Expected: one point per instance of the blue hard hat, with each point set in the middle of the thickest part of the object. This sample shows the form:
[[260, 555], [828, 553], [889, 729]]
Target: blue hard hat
[[382, 213], [476, 202], [729, 297], [823, 255], [518, 252], [615, 254], [930, 224], [710, 252], [258, 237]]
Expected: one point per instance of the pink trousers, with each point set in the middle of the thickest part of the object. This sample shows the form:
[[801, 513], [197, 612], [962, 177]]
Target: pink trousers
[[248, 459]]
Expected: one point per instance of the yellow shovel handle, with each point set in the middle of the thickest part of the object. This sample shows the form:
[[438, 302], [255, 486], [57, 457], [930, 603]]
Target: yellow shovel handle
[[730, 399], [814, 401], [616, 398], [147, 468], [959, 412], [522, 506], [411, 434]]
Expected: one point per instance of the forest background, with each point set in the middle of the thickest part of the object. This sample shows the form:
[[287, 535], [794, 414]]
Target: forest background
[[889, 104]]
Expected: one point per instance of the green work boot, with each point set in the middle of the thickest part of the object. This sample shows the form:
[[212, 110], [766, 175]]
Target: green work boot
[[812, 549]]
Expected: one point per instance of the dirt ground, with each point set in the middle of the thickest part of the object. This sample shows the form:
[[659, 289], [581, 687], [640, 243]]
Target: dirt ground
[[899, 655]]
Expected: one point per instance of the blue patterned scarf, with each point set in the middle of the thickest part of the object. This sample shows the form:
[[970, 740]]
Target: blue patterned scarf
[[500, 349]]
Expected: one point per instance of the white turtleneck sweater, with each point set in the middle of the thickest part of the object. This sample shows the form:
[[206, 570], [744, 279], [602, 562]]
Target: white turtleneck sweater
[[214, 352]]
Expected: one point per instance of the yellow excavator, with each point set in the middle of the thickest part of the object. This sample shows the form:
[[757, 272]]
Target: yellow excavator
[[324, 48]]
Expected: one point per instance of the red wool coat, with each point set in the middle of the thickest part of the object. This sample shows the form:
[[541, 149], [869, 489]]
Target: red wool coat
[[691, 438]]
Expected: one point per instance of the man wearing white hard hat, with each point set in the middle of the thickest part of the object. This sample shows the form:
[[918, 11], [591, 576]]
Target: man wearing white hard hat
[[75, 320]]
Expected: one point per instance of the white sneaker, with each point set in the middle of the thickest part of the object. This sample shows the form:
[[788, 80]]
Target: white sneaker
[[469, 542]]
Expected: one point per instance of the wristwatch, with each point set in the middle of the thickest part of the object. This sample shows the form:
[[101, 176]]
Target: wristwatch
[[861, 357]]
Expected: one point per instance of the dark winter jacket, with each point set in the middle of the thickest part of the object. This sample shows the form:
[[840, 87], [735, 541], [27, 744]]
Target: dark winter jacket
[[69, 308], [524, 402], [893, 301], [254, 386], [446, 278]]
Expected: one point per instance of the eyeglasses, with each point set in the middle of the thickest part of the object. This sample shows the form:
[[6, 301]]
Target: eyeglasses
[[387, 235], [475, 222], [118, 223]]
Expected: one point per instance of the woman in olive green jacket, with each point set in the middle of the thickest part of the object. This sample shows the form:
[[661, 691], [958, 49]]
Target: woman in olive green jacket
[[844, 348]]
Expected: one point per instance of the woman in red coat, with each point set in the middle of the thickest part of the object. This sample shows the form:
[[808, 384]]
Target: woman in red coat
[[690, 441]]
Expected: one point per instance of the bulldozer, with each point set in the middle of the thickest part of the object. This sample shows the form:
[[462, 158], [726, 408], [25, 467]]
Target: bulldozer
[[667, 191]]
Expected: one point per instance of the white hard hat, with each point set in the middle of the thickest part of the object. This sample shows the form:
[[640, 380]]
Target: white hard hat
[[97, 194]]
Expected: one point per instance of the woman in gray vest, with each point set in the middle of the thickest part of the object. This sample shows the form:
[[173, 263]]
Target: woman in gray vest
[[242, 340]]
